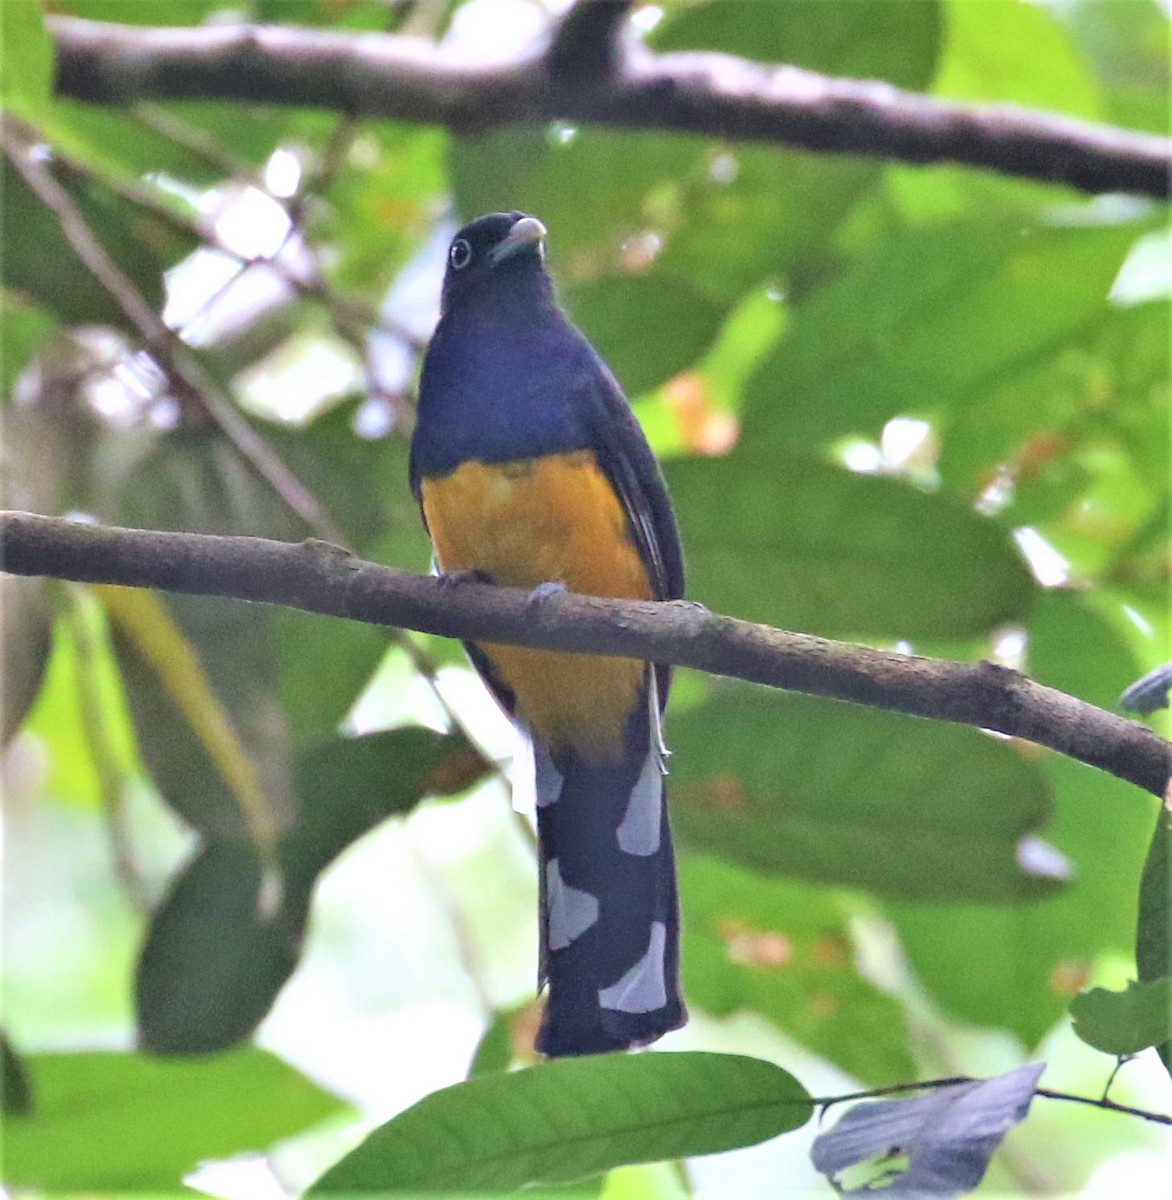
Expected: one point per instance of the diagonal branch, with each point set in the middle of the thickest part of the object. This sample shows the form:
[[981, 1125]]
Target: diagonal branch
[[186, 374], [712, 94], [322, 578]]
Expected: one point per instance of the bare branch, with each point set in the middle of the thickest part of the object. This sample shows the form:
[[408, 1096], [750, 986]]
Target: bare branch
[[188, 377], [712, 94], [322, 578]]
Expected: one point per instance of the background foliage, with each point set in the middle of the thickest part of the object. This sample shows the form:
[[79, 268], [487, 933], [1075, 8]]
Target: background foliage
[[917, 407]]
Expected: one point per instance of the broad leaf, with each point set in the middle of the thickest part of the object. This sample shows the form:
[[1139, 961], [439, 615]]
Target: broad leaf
[[1153, 936], [572, 1118], [786, 951], [1018, 967], [106, 1120], [808, 546], [930, 319], [228, 936], [859, 797]]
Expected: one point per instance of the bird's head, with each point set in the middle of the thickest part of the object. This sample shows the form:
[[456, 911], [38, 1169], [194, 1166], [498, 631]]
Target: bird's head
[[489, 250]]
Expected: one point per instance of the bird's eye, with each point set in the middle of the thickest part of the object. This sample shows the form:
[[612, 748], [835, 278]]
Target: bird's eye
[[460, 255]]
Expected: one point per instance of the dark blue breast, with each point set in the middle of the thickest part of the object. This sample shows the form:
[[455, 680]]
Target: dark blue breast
[[502, 381]]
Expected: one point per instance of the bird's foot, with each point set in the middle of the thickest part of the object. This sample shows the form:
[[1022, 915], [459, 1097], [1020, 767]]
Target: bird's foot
[[542, 592]]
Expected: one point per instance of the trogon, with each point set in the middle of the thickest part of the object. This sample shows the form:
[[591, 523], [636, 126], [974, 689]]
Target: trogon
[[531, 470]]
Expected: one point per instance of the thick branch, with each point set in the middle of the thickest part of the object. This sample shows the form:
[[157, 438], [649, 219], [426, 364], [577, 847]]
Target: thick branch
[[712, 94], [321, 578]]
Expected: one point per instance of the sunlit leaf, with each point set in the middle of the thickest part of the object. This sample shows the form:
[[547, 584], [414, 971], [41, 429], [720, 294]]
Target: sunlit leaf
[[931, 319]]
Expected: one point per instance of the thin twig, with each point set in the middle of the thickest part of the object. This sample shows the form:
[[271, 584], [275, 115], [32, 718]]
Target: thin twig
[[825, 1102], [321, 578], [189, 378]]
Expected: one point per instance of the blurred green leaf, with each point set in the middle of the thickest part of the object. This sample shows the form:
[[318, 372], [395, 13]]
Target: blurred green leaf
[[1124, 1022], [1101, 382], [214, 959], [1018, 968], [348, 474], [26, 58], [931, 319], [381, 212], [1073, 647], [671, 319], [26, 329], [856, 797], [234, 646], [323, 666], [110, 1120], [813, 547], [1009, 52], [785, 951], [16, 1095], [572, 1118], [1127, 45], [25, 627], [37, 259], [348, 785], [1153, 935], [226, 938]]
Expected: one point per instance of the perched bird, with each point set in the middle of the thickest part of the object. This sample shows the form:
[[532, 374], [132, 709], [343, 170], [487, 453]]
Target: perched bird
[[530, 470]]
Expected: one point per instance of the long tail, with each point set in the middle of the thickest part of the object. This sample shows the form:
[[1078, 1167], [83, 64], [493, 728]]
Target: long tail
[[609, 910]]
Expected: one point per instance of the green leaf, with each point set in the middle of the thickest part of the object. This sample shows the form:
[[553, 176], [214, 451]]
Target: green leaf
[[808, 546], [573, 1118], [1153, 935], [1097, 384], [16, 1094], [324, 664], [214, 959], [1124, 1022], [26, 58], [857, 797], [785, 951], [106, 1121], [1018, 968], [233, 646], [1127, 46], [930, 319], [226, 938], [348, 785], [26, 329], [672, 322], [1073, 647], [25, 641], [37, 259], [1007, 52]]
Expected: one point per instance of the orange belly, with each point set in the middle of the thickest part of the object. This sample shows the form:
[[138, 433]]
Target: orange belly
[[553, 519]]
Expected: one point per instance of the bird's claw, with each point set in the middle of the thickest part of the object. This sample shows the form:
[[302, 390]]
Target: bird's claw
[[542, 592]]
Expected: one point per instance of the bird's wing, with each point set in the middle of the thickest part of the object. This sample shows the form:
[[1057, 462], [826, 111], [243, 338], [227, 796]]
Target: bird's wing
[[627, 461]]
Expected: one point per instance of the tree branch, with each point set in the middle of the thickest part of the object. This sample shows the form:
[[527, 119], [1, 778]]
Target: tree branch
[[318, 577], [712, 94]]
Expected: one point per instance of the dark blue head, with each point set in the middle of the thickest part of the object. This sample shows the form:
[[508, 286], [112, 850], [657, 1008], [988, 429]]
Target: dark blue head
[[490, 250]]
